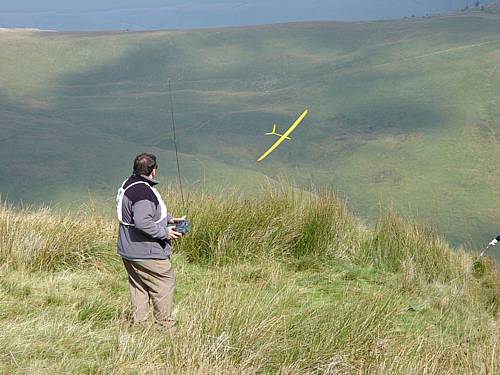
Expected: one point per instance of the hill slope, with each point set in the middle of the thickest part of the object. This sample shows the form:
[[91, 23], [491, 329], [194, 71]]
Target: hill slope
[[401, 112]]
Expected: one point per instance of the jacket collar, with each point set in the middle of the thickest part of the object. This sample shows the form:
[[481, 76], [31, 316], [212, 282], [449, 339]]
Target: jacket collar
[[149, 180]]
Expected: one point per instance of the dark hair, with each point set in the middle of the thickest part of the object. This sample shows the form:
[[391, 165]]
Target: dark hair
[[144, 164]]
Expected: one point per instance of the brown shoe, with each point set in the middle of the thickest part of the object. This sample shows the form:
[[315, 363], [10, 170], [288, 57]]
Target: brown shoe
[[167, 326], [139, 325]]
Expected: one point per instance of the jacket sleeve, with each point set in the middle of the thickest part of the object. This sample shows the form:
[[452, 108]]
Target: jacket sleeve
[[143, 219]]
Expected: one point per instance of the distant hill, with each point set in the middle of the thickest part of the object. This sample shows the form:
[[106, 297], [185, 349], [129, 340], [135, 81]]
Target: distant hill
[[404, 112], [92, 15]]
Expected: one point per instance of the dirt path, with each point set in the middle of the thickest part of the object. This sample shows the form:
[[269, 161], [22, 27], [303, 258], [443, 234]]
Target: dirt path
[[441, 52]]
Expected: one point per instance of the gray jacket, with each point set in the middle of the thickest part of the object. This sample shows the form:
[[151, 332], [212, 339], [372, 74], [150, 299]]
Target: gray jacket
[[146, 239]]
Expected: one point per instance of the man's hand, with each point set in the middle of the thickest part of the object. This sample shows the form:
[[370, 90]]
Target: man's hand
[[177, 219], [172, 234]]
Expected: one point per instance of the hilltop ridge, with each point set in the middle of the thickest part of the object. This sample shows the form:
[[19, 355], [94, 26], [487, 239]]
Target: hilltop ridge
[[202, 14]]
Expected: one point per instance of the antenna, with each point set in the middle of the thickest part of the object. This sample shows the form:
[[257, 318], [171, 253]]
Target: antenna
[[175, 142]]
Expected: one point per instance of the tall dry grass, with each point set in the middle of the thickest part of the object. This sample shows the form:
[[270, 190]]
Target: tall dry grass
[[287, 282], [39, 238], [399, 243]]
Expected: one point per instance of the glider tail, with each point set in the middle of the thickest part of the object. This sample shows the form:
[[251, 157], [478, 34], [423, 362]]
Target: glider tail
[[273, 132]]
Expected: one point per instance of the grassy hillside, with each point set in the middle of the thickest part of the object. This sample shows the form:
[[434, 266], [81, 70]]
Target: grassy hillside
[[284, 283], [402, 113]]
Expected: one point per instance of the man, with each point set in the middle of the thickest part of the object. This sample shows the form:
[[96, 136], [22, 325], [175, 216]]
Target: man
[[144, 243]]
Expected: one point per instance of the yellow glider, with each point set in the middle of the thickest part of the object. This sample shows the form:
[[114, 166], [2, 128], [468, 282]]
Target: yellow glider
[[284, 136]]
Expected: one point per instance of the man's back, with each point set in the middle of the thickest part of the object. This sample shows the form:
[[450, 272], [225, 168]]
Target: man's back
[[146, 237]]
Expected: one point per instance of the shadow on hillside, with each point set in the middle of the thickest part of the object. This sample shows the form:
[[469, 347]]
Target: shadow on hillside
[[223, 113], [225, 99]]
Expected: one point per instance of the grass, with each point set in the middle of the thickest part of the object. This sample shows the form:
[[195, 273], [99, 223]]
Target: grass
[[286, 282], [39, 240]]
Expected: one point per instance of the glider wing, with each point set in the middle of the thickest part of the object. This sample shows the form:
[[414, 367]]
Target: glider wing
[[284, 136]]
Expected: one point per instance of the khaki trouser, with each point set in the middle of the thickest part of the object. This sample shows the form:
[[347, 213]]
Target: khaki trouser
[[151, 280]]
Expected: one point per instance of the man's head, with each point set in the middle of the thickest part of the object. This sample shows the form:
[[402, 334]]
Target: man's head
[[145, 164]]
